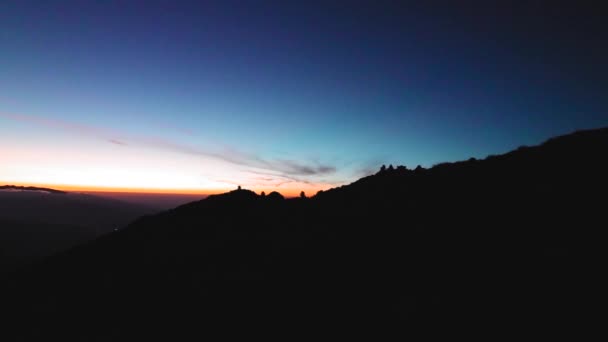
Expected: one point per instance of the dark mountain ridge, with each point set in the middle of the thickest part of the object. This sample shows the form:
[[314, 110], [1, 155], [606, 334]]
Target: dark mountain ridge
[[507, 245], [30, 188]]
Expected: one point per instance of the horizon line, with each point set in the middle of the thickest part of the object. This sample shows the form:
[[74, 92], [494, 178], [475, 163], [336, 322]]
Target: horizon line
[[151, 191]]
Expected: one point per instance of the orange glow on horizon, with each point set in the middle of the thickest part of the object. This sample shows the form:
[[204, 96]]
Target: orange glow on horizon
[[108, 168], [84, 188]]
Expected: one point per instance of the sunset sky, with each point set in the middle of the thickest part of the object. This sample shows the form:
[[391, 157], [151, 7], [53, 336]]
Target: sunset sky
[[187, 97]]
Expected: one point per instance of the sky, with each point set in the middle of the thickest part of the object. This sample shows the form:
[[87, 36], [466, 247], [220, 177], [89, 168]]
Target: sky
[[202, 97]]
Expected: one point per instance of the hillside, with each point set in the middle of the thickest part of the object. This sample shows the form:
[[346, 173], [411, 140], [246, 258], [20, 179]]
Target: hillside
[[508, 244]]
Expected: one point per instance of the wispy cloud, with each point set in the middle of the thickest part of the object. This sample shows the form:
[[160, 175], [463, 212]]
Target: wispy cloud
[[284, 166], [273, 179], [66, 126], [284, 169], [117, 142]]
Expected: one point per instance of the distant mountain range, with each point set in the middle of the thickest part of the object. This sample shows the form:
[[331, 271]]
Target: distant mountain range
[[30, 188], [37, 222], [510, 245]]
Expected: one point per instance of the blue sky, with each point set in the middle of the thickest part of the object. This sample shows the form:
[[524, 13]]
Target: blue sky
[[286, 96]]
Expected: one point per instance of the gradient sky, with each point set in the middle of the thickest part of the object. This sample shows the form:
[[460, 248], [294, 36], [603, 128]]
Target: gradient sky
[[184, 96]]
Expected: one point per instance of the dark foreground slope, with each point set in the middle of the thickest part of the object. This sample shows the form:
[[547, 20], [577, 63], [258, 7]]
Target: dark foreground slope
[[503, 246]]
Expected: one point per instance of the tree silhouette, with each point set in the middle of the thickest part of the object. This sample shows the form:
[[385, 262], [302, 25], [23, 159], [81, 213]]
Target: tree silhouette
[[302, 194]]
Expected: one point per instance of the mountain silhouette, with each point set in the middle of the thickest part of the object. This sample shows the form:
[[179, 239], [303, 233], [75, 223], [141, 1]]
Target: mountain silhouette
[[30, 188], [508, 245]]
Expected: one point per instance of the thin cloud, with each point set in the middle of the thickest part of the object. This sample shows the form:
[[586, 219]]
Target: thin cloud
[[236, 157], [295, 168], [117, 142], [66, 126], [274, 179], [287, 169]]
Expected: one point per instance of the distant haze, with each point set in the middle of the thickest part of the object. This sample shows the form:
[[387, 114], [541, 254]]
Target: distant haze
[[154, 200]]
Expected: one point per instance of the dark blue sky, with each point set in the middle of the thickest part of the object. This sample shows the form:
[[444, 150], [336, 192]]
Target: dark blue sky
[[275, 95]]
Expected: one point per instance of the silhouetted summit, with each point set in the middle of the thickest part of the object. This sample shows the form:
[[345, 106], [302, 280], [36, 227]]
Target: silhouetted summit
[[511, 243]]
